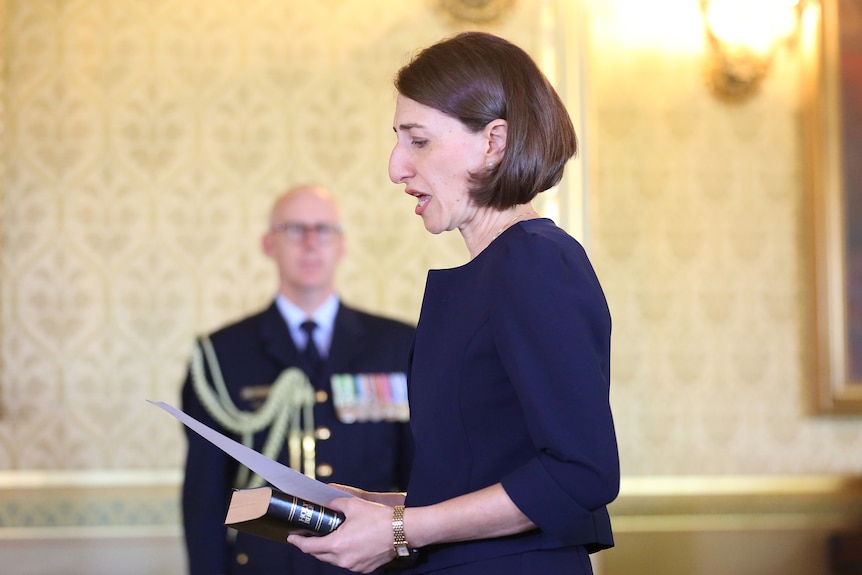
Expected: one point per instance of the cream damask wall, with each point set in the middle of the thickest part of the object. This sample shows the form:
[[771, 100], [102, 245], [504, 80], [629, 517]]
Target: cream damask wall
[[700, 234], [144, 143]]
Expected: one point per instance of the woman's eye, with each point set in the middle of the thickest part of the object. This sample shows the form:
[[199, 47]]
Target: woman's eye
[[419, 143]]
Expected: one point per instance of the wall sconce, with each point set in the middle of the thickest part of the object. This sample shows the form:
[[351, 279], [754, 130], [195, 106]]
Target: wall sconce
[[744, 36]]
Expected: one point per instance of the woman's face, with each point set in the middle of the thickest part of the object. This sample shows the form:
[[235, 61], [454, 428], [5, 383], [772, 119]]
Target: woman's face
[[433, 158]]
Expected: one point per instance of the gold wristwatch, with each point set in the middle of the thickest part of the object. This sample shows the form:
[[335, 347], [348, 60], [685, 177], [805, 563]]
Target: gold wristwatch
[[402, 548]]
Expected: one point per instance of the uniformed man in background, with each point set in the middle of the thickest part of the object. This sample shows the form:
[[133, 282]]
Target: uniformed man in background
[[345, 423]]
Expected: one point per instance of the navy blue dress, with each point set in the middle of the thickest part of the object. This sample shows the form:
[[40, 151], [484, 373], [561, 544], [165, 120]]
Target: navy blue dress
[[509, 383]]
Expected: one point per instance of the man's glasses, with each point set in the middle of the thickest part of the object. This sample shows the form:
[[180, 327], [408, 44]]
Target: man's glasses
[[296, 232]]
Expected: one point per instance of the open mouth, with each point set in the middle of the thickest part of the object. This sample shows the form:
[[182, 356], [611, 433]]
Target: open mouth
[[422, 201]]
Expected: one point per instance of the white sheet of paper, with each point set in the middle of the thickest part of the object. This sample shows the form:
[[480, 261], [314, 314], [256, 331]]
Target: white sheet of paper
[[280, 476]]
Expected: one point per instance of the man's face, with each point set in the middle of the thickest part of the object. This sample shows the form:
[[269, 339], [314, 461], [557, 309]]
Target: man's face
[[306, 242]]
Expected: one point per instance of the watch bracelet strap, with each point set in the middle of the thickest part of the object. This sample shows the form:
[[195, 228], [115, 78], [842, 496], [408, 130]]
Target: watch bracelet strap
[[399, 540], [400, 561]]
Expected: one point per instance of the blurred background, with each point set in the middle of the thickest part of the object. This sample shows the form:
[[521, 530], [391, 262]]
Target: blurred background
[[143, 141]]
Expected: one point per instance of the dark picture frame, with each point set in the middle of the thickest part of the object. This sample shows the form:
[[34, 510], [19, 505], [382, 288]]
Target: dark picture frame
[[832, 32]]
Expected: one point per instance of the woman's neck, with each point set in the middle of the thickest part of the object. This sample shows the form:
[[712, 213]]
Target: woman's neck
[[488, 226]]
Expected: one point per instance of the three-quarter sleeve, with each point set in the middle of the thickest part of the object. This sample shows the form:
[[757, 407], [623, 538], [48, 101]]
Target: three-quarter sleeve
[[552, 330]]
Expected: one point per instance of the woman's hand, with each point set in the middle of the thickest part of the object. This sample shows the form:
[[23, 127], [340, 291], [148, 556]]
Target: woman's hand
[[362, 543]]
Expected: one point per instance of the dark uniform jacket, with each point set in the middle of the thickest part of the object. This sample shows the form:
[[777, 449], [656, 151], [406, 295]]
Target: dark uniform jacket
[[369, 455]]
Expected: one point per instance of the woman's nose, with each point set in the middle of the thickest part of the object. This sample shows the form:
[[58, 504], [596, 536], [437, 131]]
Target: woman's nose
[[399, 169]]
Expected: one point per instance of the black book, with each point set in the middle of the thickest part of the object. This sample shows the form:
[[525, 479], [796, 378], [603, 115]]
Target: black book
[[273, 514]]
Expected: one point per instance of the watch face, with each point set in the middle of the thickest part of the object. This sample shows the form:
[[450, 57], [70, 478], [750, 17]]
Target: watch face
[[402, 551]]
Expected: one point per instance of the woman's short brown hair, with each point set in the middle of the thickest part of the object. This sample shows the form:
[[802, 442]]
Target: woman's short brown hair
[[478, 77]]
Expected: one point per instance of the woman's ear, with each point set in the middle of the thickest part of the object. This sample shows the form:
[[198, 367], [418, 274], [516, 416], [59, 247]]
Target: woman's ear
[[495, 134]]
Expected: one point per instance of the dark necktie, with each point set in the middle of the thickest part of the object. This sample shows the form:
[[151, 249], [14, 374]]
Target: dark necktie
[[311, 356]]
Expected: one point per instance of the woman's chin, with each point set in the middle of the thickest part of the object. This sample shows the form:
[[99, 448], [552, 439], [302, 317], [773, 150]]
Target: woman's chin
[[434, 229]]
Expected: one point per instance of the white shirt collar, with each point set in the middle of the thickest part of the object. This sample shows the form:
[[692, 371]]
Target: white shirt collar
[[323, 316]]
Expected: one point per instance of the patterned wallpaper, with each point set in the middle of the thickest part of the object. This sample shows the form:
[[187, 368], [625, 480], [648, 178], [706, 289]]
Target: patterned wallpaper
[[699, 235], [143, 142]]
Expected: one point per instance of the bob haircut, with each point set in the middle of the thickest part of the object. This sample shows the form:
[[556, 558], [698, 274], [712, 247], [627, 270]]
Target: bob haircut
[[477, 77]]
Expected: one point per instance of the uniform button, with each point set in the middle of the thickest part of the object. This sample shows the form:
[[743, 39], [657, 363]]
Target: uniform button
[[322, 433], [321, 396], [324, 470], [242, 559]]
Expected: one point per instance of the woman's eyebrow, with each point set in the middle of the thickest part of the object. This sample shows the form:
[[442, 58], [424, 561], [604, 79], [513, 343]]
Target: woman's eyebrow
[[406, 127]]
